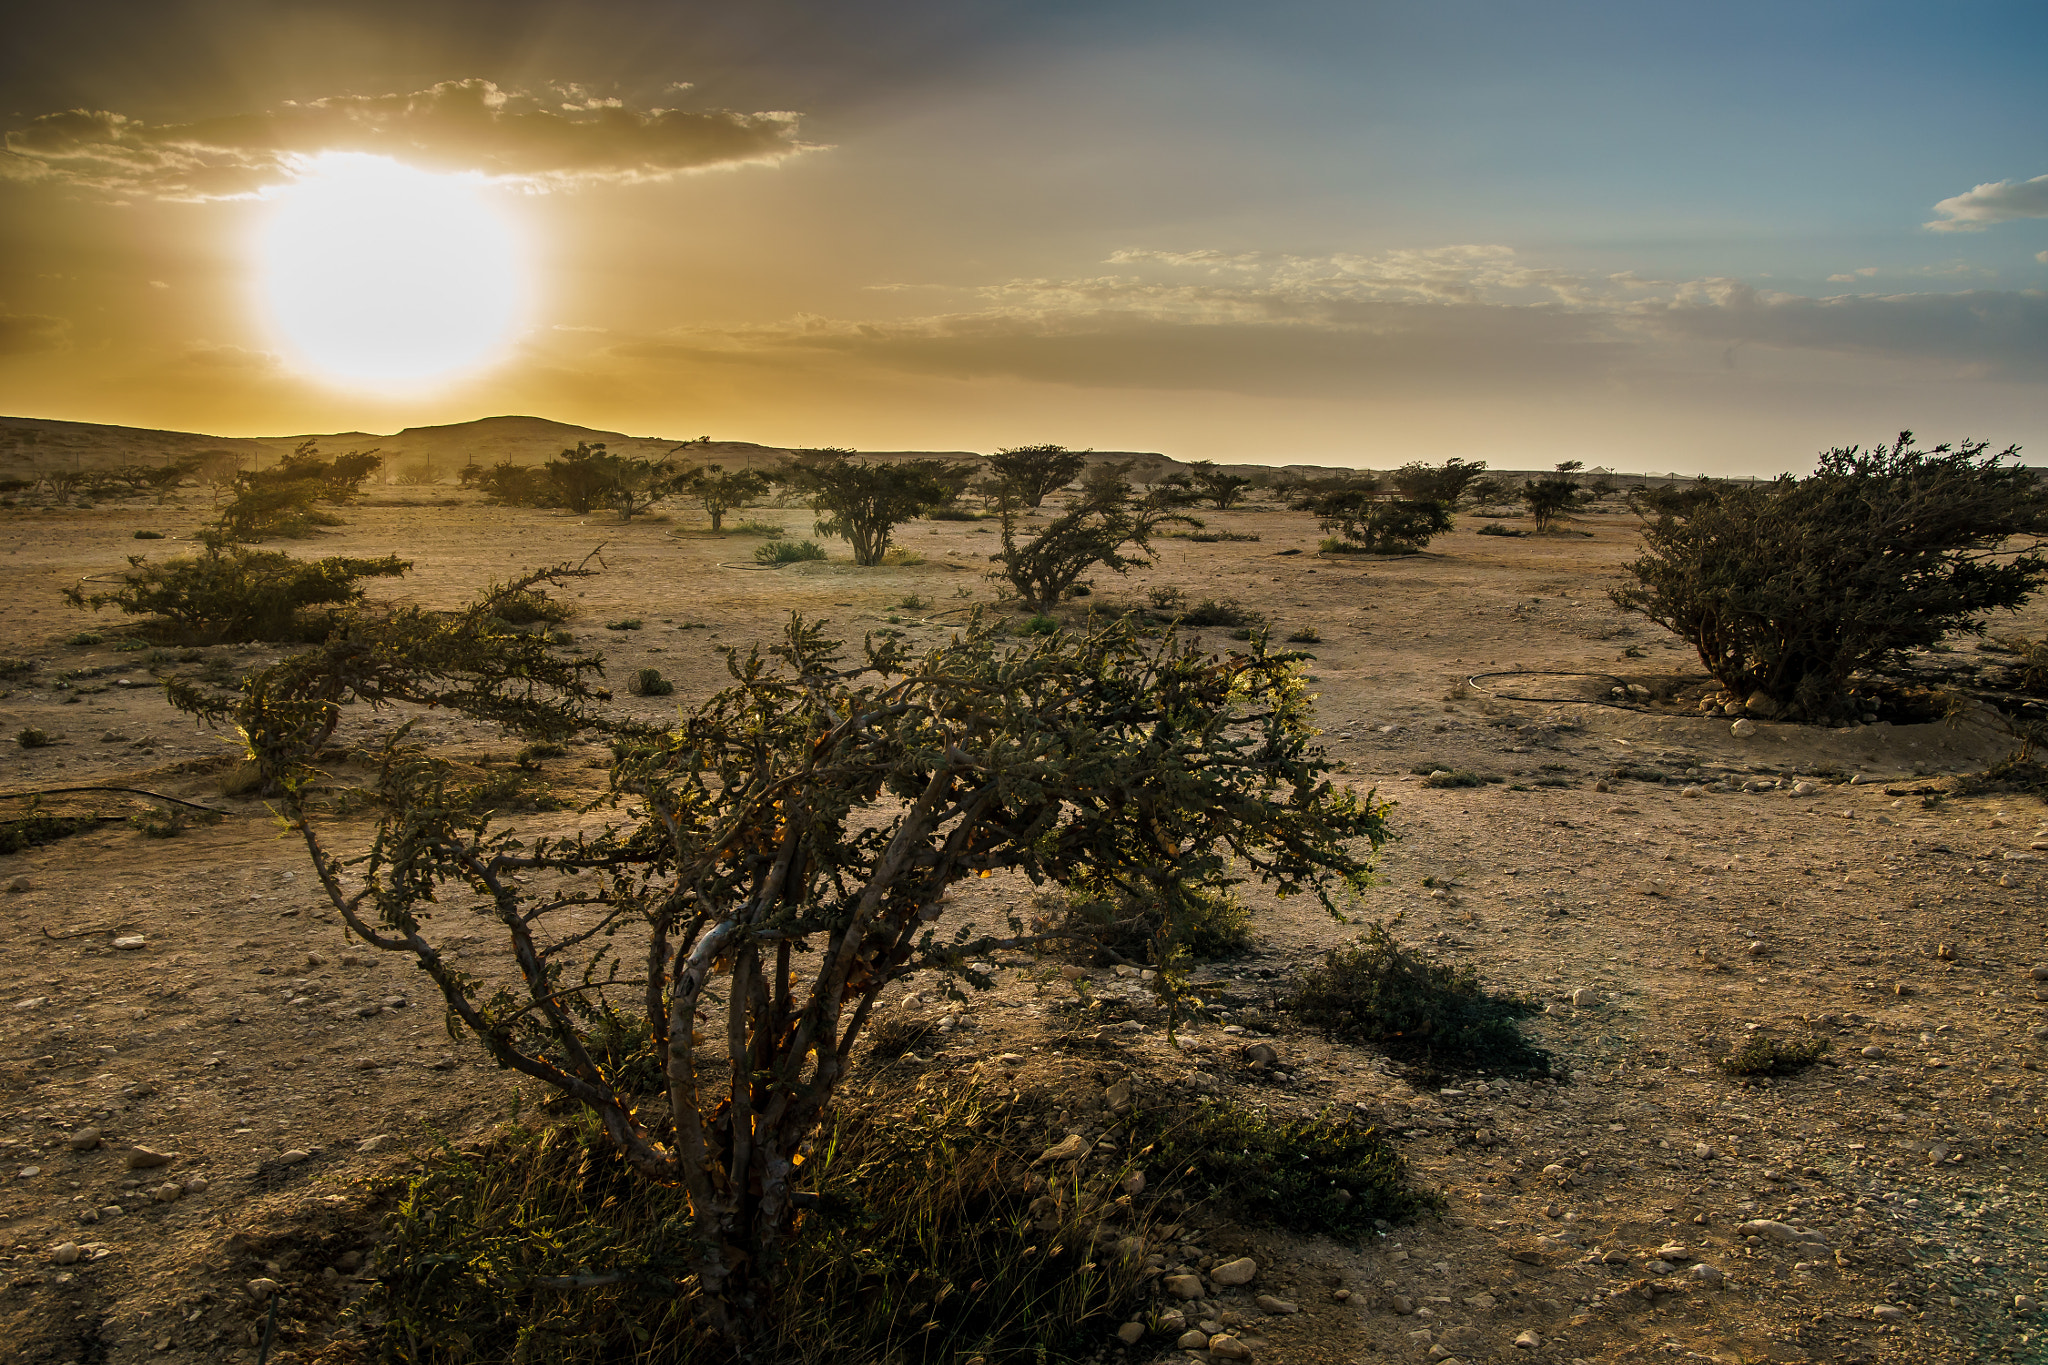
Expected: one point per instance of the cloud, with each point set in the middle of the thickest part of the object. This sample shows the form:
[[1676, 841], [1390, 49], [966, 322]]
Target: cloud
[[1860, 273], [27, 333], [1438, 319], [467, 125], [2000, 201], [206, 356]]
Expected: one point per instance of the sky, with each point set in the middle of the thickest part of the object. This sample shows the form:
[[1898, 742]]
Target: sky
[[1651, 236]]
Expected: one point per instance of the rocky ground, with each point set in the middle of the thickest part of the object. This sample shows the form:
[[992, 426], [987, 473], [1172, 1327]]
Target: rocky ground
[[1667, 886]]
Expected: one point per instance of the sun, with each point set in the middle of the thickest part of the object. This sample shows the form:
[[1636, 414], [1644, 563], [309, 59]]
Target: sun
[[377, 274]]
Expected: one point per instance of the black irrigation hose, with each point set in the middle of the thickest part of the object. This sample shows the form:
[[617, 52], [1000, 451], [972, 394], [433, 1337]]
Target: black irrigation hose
[[132, 791]]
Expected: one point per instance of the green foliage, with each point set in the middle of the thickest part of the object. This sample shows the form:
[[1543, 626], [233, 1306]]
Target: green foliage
[[12, 667], [1227, 611], [1215, 537], [1762, 1056], [1378, 991], [1091, 532], [789, 552], [1134, 921], [1324, 1174], [1494, 528], [864, 503], [168, 822], [625, 623], [29, 737], [1459, 777], [1551, 497], [232, 593], [648, 682], [922, 1249], [34, 829], [793, 835], [265, 511], [1448, 483], [532, 608], [719, 492], [1371, 520], [149, 535], [755, 528], [1039, 625], [85, 639], [1307, 635], [1028, 473], [1220, 489], [1790, 588]]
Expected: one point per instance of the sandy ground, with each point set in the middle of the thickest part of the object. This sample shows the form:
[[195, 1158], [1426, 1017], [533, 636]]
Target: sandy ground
[[1619, 864]]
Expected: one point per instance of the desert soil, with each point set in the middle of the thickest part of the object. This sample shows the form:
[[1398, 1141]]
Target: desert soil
[[1664, 915]]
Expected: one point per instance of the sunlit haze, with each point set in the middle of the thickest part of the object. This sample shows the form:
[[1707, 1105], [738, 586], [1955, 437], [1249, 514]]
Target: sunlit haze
[[1652, 237], [380, 275]]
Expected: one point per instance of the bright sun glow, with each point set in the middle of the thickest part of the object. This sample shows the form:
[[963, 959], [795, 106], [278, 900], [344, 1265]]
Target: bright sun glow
[[376, 273]]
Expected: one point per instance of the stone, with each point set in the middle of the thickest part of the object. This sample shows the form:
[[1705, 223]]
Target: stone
[[1071, 1148], [1193, 1340], [1658, 1267], [1708, 1275], [1692, 790], [1259, 1056], [1703, 1150], [144, 1158], [66, 1253], [2040, 971], [1133, 1184], [83, 1140], [1117, 1096], [1277, 1307], [170, 1192], [1240, 1271], [1805, 788], [1743, 729], [374, 1144], [196, 1185], [1674, 1251], [1772, 1231], [1183, 1286], [1131, 1333], [1874, 1052], [1172, 1322], [1227, 1347], [261, 1289], [1401, 1304], [2024, 1303], [293, 1156], [1528, 1341], [1585, 998], [129, 943], [1886, 1312], [17, 885], [1759, 703], [1463, 1339]]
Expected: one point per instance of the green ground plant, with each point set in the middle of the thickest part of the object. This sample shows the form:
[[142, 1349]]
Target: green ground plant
[[1762, 1056], [1378, 991], [789, 552], [766, 865]]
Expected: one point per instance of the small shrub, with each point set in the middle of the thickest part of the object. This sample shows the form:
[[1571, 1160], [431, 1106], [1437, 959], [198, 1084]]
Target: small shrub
[[1167, 599], [1458, 777], [788, 551], [528, 608], [235, 594], [1377, 991], [952, 514], [561, 637], [756, 528], [1763, 1056], [11, 667], [1494, 528], [86, 638], [1227, 612], [34, 829], [149, 535], [1213, 537], [648, 682], [1039, 625], [530, 757], [912, 602], [32, 738], [1332, 545], [1322, 1174], [168, 822], [1307, 635], [627, 623], [897, 557]]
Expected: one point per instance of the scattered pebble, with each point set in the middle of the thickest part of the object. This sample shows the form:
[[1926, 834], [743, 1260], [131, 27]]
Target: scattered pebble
[[1240, 1271], [1226, 1347], [1529, 1341], [143, 1158], [1708, 1275], [261, 1289], [129, 943], [293, 1157], [83, 1140], [1131, 1333], [1886, 1312], [1276, 1306], [66, 1253]]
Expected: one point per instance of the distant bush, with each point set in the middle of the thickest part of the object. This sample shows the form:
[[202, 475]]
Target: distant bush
[[788, 551], [1211, 537], [1307, 635], [1377, 991], [1039, 625], [149, 535], [1494, 528], [236, 594], [34, 829], [953, 514], [626, 623], [11, 667], [31, 738], [1768, 1057], [86, 638], [755, 528], [1333, 545], [648, 682], [1225, 612], [1789, 588], [1460, 777]]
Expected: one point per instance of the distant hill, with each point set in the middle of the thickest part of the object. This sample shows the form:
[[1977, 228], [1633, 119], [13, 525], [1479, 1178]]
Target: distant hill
[[39, 444]]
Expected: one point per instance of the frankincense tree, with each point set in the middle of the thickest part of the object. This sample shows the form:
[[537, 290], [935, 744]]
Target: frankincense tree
[[768, 865]]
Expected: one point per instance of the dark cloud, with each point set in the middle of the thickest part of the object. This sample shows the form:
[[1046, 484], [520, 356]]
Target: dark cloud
[[1999, 334], [27, 333], [468, 125]]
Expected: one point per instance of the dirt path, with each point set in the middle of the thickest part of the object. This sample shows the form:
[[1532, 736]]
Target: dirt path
[[1682, 913]]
